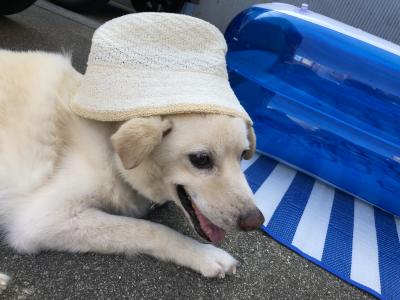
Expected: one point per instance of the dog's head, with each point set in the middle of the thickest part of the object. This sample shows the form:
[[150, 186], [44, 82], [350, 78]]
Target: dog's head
[[193, 160]]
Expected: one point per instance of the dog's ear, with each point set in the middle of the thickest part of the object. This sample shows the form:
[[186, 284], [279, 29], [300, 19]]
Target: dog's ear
[[252, 141], [136, 139]]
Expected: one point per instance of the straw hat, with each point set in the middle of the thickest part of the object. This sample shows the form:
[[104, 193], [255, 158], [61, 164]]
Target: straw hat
[[148, 64]]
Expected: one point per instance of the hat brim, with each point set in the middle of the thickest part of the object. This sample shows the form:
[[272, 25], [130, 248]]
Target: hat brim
[[109, 93]]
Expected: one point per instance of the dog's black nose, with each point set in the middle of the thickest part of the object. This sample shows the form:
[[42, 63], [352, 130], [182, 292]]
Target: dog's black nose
[[251, 220]]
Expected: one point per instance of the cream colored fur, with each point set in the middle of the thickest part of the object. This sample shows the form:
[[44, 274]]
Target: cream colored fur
[[62, 176]]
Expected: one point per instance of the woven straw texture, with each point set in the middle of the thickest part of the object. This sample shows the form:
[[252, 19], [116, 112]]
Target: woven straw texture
[[155, 64]]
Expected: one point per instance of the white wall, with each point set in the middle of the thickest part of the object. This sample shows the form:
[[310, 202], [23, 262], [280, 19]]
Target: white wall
[[379, 17], [221, 12]]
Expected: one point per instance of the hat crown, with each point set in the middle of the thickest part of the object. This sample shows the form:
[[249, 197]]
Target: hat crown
[[151, 64], [167, 42]]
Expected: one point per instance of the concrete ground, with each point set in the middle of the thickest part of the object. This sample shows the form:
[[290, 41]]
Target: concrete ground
[[268, 270]]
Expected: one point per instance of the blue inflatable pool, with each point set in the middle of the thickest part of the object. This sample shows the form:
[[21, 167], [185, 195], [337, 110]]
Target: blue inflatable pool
[[324, 97]]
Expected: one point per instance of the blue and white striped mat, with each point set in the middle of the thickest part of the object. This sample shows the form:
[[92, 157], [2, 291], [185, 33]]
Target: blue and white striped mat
[[349, 238]]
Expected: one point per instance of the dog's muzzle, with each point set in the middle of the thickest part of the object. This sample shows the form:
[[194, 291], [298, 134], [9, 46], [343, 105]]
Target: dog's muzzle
[[251, 220], [203, 226]]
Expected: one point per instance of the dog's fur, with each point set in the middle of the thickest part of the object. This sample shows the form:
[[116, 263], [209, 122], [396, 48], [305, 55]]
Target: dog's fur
[[68, 183]]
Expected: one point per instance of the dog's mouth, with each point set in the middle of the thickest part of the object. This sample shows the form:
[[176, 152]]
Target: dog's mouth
[[203, 226]]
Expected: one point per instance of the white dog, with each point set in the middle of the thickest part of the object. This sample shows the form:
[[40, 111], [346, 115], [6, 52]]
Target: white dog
[[73, 184]]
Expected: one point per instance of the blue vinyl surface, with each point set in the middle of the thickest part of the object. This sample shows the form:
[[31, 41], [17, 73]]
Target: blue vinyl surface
[[321, 101]]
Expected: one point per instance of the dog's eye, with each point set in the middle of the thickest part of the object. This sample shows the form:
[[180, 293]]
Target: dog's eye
[[201, 160], [243, 154]]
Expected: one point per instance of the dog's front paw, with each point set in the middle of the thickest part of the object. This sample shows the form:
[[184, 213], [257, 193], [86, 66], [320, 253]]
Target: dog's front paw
[[215, 262]]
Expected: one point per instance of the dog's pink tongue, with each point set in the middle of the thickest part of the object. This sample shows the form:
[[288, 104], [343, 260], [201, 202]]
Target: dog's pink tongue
[[213, 232]]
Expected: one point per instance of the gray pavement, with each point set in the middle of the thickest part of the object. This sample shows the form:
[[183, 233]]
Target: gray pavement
[[268, 270]]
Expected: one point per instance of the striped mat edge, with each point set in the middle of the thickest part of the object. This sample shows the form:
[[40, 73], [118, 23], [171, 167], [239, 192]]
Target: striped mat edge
[[349, 238]]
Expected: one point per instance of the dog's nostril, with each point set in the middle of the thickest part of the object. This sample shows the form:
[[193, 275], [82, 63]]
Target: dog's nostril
[[251, 220]]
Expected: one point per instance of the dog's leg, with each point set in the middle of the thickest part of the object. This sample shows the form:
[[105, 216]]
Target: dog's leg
[[95, 231], [60, 217]]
